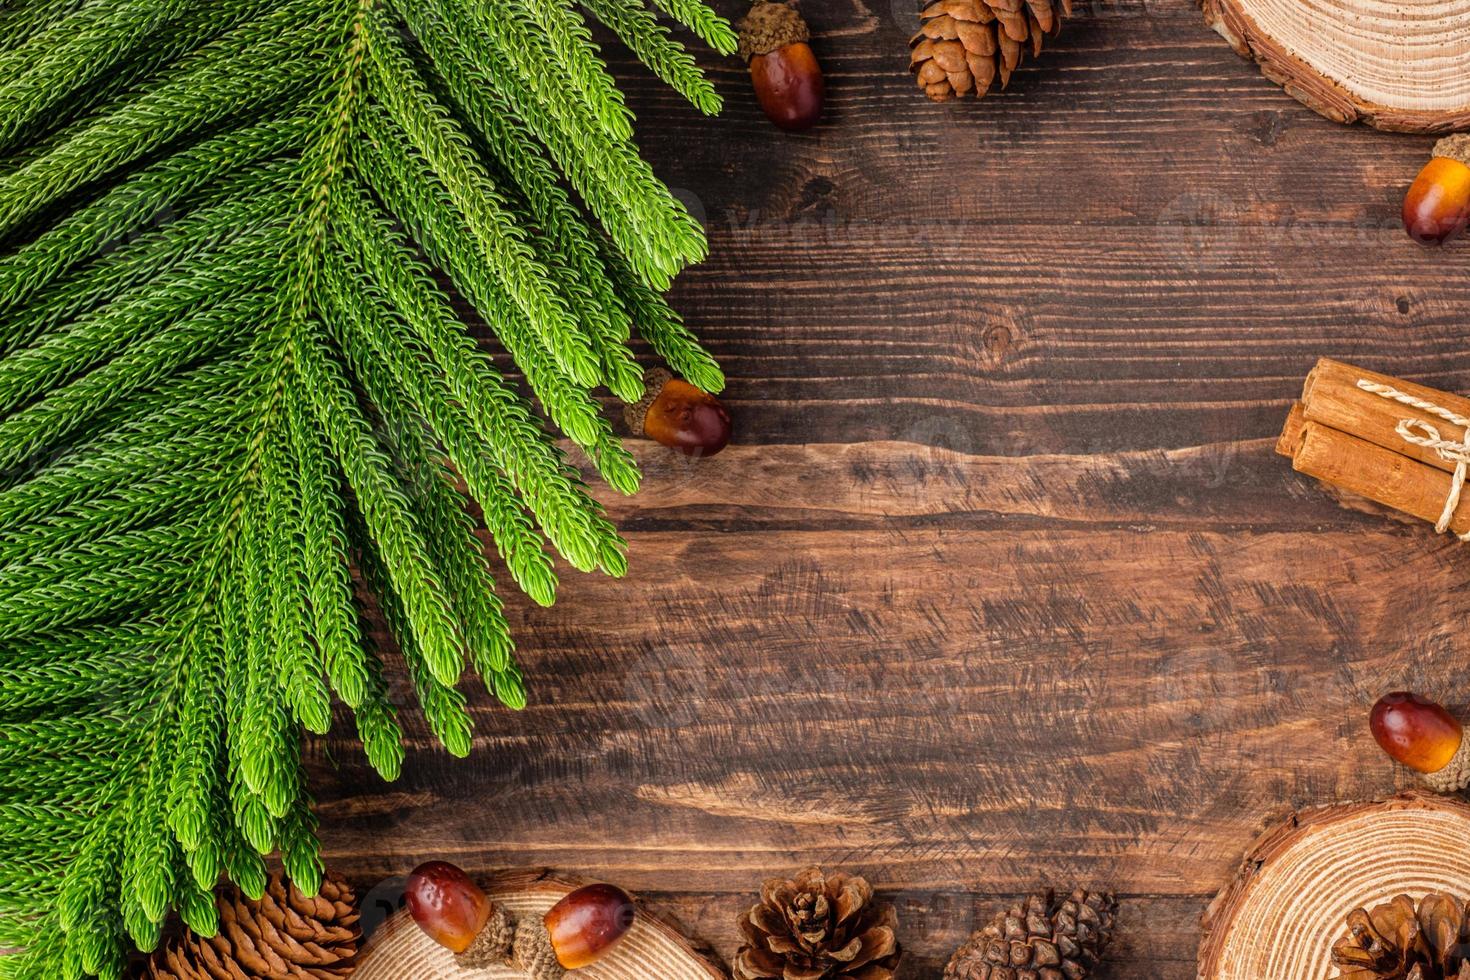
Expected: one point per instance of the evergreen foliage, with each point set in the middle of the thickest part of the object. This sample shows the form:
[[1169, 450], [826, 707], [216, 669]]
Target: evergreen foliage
[[231, 371]]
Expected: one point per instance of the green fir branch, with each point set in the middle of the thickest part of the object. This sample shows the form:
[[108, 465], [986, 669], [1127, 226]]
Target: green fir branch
[[713, 29], [637, 27], [230, 374]]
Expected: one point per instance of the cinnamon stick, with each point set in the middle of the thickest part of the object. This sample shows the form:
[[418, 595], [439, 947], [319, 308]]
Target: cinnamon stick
[[1331, 397], [1361, 467], [1291, 432]]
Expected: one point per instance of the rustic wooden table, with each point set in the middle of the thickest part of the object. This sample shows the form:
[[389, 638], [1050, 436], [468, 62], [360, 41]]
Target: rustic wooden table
[[1002, 583]]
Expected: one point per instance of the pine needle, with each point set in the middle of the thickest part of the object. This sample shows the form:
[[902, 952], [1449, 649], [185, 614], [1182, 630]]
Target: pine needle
[[231, 374]]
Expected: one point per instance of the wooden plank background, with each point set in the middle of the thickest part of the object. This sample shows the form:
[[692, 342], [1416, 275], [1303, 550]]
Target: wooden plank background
[[1001, 584]]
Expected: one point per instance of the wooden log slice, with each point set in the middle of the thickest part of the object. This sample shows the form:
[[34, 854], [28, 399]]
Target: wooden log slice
[[1280, 916], [1402, 65], [399, 950]]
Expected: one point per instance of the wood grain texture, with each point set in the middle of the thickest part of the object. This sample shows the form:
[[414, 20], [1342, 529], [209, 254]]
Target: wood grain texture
[[1002, 583], [1400, 66], [1293, 894]]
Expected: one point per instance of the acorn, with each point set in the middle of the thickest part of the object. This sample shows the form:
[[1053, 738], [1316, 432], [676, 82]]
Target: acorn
[[589, 922], [456, 913], [1437, 207], [1420, 734], [774, 41], [679, 415], [447, 905]]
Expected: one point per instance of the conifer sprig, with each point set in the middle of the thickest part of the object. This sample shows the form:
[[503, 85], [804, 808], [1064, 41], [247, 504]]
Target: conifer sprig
[[237, 402]]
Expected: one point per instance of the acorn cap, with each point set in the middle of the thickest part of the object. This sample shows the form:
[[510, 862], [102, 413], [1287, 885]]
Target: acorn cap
[[1455, 147], [654, 380], [1455, 775], [769, 27], [524, 945], [493, 945], [534, 953]]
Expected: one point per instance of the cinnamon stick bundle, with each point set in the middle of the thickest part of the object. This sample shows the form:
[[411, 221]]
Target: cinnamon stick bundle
[[1352, 430]]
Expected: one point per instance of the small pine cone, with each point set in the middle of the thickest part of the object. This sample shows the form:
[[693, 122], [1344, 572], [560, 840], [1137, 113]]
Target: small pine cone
[[818, 927], [1406, 940], [284, 936], [963, 46], [1041, 939]]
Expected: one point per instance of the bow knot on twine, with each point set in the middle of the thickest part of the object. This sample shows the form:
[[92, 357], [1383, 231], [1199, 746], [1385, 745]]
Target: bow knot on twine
[[1418, 432]]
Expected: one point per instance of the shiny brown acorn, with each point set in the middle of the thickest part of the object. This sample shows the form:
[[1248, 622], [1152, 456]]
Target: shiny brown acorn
[[588, 922], [775, 42], [1421, 734], [456, 913], [1437, 207], [1415, 731], [679, 415], [447, 904]]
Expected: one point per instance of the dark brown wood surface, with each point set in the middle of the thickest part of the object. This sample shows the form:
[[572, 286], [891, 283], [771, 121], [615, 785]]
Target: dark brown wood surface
[[1002, 584]]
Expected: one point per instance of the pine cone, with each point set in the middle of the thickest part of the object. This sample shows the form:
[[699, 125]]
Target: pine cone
[[818, 927], [1041, 939], [963, 45], [1404, 941], [284, 936]]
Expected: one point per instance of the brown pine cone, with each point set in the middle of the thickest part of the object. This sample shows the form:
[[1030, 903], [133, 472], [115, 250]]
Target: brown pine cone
[[284, 936], [1402, 940], [964, 45], [818, 927], [1041, 939]]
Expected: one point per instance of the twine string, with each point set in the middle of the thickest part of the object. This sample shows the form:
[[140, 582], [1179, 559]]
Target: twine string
[[1418, 432]]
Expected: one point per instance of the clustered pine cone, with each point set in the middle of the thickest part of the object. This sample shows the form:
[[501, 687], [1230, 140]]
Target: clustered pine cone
[[1040, 939], [963, 46], [818, 927], [284, 936], [1402, 940]]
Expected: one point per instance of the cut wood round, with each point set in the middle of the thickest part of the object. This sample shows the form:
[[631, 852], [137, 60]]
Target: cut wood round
[[1402, 66], [1280, 916], [399, 950]]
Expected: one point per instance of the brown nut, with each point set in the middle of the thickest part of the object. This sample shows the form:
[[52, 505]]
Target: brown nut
[[589, 922], [1415, 731], [1437, 207], [679, 415], [447, 904], [788, 81]]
